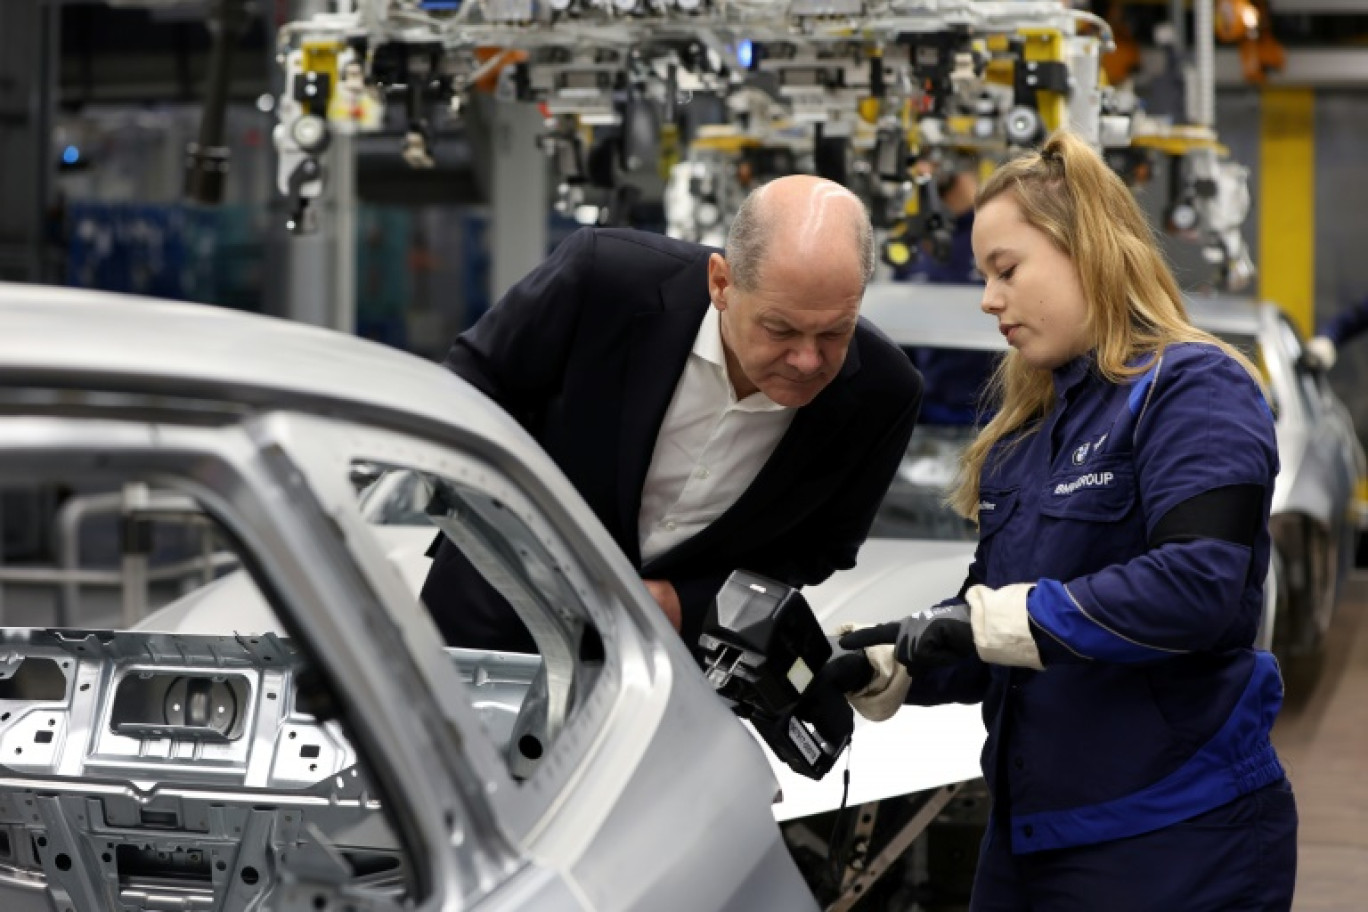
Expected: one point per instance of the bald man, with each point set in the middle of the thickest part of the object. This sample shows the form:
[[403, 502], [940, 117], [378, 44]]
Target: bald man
[[716, 411]]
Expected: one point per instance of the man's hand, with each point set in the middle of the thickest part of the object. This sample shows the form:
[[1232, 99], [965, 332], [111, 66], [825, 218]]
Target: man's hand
[[937, 636], [663, 591]]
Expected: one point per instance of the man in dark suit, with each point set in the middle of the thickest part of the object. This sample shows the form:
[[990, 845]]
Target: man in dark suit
[[715, 412]]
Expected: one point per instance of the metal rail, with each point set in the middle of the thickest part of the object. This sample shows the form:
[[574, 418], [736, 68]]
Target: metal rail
[[138, 507]]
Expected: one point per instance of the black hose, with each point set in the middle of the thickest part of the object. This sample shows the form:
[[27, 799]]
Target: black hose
[[206, 167]]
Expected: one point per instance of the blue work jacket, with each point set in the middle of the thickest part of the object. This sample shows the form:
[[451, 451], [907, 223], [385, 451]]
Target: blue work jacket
[[1348, 324], [1153, 706]]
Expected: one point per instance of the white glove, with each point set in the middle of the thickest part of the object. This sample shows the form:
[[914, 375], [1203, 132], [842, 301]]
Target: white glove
[[883, 696], [1322, 351]]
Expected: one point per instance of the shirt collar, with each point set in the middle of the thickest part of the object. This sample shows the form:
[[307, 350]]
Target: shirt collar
[[708, 346], [708, 343]]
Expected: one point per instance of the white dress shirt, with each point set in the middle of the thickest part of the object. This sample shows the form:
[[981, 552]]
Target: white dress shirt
[[709, 449]]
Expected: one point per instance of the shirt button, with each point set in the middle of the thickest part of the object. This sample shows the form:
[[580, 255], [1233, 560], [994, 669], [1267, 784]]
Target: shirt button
[[670, 525], [704, 472], [1028, 831], [1019, 763]]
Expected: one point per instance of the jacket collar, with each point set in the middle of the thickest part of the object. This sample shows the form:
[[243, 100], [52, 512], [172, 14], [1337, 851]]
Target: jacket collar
[[659, 342], [1072, 373]]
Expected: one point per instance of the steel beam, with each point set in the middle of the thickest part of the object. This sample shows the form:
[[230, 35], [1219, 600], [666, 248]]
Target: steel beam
[[1312, 68]]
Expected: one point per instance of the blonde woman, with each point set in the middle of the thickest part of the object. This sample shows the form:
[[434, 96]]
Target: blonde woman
[[1122, 492]]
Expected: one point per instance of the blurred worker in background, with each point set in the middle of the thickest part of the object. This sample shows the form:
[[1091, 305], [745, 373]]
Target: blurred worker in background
[[956, 185], [1323, 349], [954, 380], [716, 411], [1122, 493]]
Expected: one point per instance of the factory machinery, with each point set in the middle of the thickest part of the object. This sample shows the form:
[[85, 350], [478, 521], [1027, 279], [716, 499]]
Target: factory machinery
[[718, 96]]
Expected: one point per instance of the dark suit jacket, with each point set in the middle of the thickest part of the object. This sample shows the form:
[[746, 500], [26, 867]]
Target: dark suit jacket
[[586, 352]]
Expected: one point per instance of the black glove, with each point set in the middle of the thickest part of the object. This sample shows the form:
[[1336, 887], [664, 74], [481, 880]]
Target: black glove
[[823, 702], [845, 672], [937, 636]]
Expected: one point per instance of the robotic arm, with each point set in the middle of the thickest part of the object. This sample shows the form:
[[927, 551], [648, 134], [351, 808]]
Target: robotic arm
[[863, 93]]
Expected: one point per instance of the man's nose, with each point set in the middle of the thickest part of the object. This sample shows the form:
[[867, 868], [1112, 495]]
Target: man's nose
[[805, 357]]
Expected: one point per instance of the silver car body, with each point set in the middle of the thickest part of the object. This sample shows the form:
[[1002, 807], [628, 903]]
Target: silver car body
[[651, 796]]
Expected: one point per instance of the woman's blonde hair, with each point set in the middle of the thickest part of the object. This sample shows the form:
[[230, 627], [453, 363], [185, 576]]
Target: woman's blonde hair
[[1134, 306]]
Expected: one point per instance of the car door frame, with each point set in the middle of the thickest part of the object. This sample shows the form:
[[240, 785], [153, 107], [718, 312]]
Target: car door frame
[[414, 758]]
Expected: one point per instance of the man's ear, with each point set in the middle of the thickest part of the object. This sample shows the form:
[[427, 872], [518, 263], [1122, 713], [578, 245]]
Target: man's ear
[[719, 280]]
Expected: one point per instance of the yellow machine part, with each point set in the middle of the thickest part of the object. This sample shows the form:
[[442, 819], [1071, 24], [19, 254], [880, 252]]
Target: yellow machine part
[[669, 150], [1177, 145], [1042, 44], [730, 145], [897, 253], [896, 250], [1287, 202], [1046, 45], [960, 125], [320, 57], [1000, 71]]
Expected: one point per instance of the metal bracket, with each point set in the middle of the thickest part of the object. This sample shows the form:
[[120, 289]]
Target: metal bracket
[[859, 843], [855, 889]]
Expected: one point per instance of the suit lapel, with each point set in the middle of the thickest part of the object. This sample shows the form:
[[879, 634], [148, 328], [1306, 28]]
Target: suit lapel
[[814, 428], [659, 348]]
